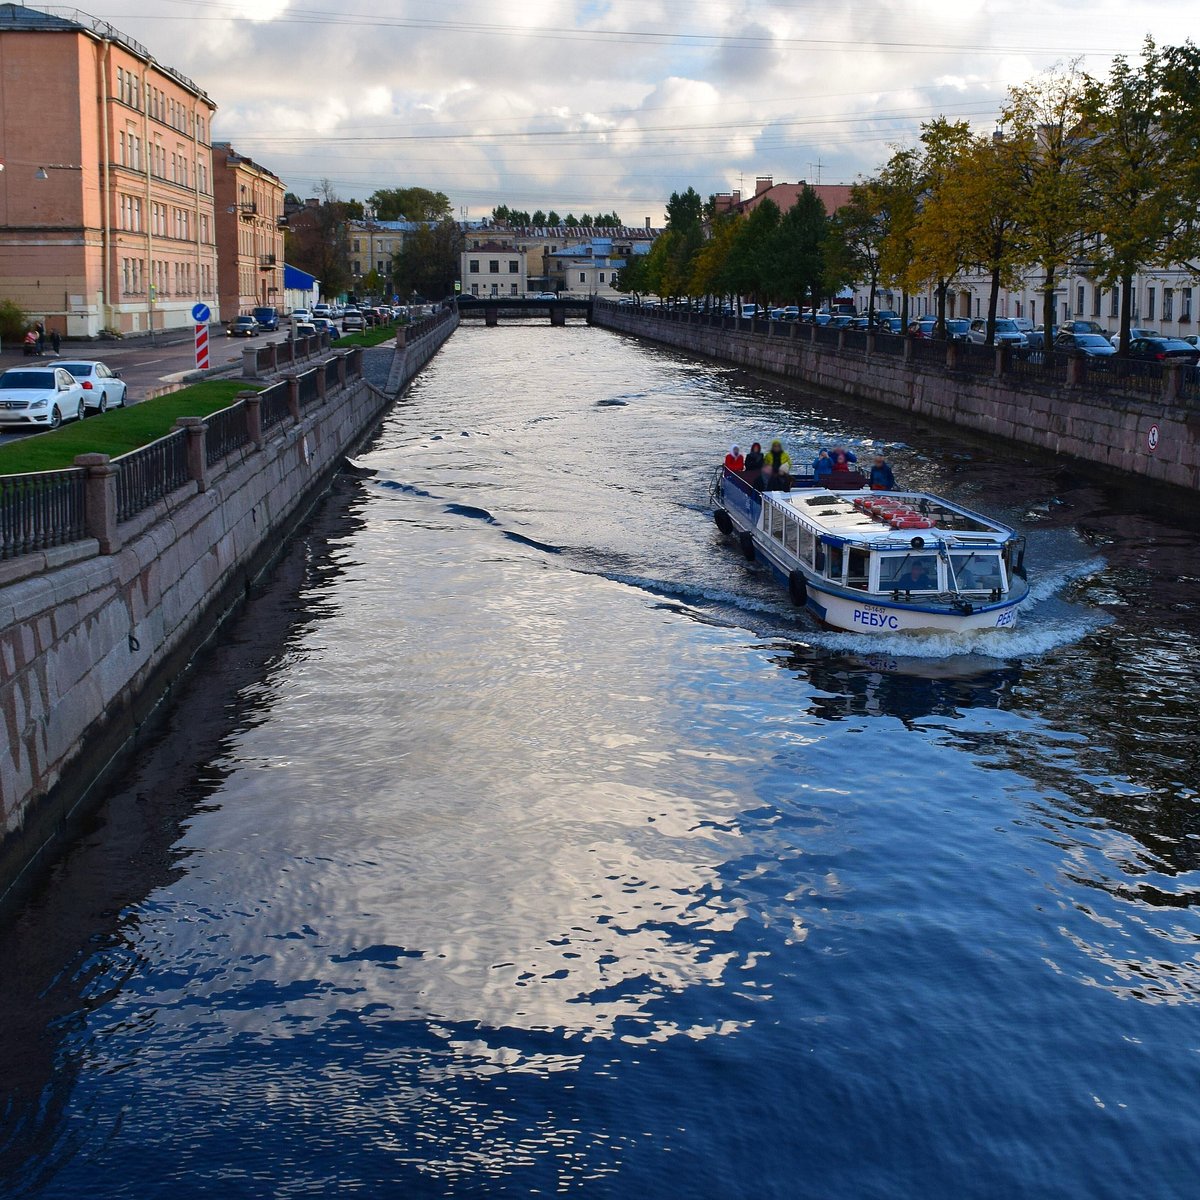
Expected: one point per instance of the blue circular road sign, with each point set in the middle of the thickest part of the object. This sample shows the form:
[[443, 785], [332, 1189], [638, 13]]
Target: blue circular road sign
[[201, 313]]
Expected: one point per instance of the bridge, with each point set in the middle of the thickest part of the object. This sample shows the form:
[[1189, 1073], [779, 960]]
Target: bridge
[[490, 308]]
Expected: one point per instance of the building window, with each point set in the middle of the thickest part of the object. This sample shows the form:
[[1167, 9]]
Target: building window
[[1114, 303], [583, 277], [513, 266], [474, 289], [1133, 316], [1149, 304], [512, 289], [1185, 305], [356, 246], [494, 266], [1097, 296], [473, 267], [602, 280], [1079, 301], [1168, 304]]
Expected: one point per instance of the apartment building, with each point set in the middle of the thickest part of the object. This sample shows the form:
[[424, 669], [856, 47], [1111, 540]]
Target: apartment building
[[784, 195], [249, 209], [494, 268], [106, 188]]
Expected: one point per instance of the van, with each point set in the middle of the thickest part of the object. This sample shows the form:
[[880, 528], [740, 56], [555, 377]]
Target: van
[[267, 318]]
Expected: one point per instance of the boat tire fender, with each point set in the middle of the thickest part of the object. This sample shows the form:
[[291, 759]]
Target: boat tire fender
[[798, 588], [724, 521], [746, 541]]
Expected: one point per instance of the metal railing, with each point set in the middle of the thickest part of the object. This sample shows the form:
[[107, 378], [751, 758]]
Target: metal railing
[[974, 359], [226, 431], [1037, 367], [889, 343], [1124, 374], [147, 475], [855, 339], [273, 405], [42, 510], [307, 389], [332, 378]]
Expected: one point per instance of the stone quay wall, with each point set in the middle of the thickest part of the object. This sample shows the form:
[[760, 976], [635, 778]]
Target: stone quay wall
[[1154, 437], [92, 643]]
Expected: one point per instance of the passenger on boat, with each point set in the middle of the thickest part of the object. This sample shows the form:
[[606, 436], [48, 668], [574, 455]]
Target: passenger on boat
[[734, 460], [822, 465], [843, 459], [754, 465], [916, 578], [779, 468], [882, 479]]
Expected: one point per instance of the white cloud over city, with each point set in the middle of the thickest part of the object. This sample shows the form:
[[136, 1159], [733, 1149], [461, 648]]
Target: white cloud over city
[[603, 106]]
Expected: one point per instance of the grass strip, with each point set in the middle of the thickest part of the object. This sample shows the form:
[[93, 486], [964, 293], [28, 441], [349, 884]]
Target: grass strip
[[368, 337], [120, 429]]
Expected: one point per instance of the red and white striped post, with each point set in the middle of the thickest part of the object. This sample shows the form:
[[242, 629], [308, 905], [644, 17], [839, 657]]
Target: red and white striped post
[[202, 347]]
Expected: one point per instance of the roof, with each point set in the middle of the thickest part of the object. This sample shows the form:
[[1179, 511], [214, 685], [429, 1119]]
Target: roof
[[625, 233], [785, 195], [495, 248], [231, 155], [296, 279], [16, 18]]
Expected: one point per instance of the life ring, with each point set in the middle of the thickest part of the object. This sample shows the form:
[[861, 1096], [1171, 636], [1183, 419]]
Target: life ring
[[798, 588], [746, 541], [724, 521]]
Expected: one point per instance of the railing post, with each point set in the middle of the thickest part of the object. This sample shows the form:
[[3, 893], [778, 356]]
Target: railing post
[[249, 362], [871, 335], [341, 362], [274, 349], [197, 456], [910, 346], [841, 340], [1172, 378], [293, 387], [1003, 360], [401, 337], [321, 383], [253, 403], [1076, 371], [951, 356], [100, 501]]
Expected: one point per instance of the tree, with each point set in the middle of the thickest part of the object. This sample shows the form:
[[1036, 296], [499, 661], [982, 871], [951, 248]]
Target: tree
[[586, 220], [898, 193], [710, 265], [1181, 119], [800, 243], [372, 283], [859, 227], [631, 278], [1043, 121], [410, 204], [429, 263], [316, 240], [553, 219], [539, 218], [752, 267], [1135, 174], [685, 210]]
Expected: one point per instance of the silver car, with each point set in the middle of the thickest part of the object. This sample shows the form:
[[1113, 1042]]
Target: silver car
[[1007, 333], [102, 389]]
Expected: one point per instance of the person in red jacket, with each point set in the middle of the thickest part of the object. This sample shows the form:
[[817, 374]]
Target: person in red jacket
[[734, 460]]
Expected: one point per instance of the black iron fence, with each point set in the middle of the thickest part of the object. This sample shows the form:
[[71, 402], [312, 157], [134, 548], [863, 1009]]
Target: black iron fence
[[1124, 375], [973, 359], [307, 389], [332, 378], [42, 510], [273, 405], [227, 431], [147, 475]]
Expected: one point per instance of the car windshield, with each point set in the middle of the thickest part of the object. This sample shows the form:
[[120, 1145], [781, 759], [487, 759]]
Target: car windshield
[[40, 380], [79, 370], [957, 326], [1004, 325], [1173, 344], [1091, 339]]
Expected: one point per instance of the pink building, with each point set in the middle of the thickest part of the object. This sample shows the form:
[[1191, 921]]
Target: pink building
[[106, 192]]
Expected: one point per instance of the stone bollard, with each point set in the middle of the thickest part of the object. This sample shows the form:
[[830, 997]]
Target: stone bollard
[[910, 347], [1003, 360], [100, 501], [1076, 370], [249, 362], [197, 453], [273, 350], [871, 336], [293, 386], [951, 356], [401, 336], [1172, 378], [321, 383], [841, 345], [253, 403]]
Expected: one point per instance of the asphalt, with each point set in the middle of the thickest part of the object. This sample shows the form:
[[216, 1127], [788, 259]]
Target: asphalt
[[146, 367]]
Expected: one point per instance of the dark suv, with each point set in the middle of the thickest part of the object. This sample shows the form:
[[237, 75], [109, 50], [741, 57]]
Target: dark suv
[[267, 318]]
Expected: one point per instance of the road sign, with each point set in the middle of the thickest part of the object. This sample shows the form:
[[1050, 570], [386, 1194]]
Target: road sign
[[1152, 437], [202, 344], [201, 313]]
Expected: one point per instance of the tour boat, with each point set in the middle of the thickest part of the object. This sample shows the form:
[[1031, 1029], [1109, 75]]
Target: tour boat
[[878, 562]]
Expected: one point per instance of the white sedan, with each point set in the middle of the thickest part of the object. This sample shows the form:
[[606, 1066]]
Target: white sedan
[[45, 396], [102, 389]]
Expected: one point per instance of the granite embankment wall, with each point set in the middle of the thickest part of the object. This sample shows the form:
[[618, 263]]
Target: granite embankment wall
[[1156, 438], [91, 643]]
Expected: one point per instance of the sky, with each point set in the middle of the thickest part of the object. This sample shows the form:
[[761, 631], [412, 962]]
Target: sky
[[588, 107]]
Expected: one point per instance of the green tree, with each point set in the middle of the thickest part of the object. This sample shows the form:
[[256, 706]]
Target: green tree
[[410, 204], [372, 283], [316, 240], [898, 194], [752, 266], [571, 221], [1181, 119], [631, 278], [539, 218], [586, 220], [553, 219], [685, 210], [1043, 121], [429, 263], [859, 228], [800, 243], [1136, 175], [13, 323], [710, 265]]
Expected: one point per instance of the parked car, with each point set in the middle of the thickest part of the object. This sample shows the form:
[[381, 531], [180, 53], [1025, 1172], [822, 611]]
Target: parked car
[[267, 318], [304, 329], [325, 325], [1164, 349], [1192, 339], [1024, 324], [1007, 333], [1091, 345], [40, 396], [299, 314], [840, 321], [750, 311], [1134, 332], [546, 296], [321, 310], [352, 321], [244, 326], [1036, 337], [102, 389], [1073, 327]]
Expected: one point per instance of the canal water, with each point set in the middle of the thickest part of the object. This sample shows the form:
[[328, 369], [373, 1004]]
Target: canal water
[[522, 840]]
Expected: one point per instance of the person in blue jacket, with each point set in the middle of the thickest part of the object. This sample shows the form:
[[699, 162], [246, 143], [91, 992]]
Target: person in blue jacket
[[822, 465], [882, 479]]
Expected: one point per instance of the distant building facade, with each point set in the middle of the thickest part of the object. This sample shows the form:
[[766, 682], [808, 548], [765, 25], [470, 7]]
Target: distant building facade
[[492, 268], [249, 207], [300, 289], [106, 197], [785, 195]]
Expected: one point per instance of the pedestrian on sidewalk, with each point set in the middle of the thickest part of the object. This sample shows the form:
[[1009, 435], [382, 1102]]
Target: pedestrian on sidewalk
[[55, 340], [41, 337]]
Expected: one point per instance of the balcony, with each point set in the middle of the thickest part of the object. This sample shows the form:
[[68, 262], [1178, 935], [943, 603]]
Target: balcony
[[248, 208], [266, 262]]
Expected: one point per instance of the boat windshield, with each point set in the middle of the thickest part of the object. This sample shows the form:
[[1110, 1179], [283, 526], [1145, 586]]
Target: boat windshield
[[977, 572], [908, 573]]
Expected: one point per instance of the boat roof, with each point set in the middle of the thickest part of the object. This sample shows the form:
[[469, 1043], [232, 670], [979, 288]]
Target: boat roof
[[834, 513]]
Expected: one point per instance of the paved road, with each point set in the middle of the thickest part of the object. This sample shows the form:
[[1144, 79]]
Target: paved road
[[144, 367]]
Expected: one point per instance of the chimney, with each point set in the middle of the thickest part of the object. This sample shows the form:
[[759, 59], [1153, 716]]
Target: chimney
[[647, 222], [764, 183]]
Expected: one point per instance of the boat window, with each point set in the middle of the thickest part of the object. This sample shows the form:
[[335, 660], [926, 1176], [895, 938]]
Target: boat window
[[792, 537], [808, 542], [858, 563], [833, 562], [908, 573], [977, 572], [777, 523]]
